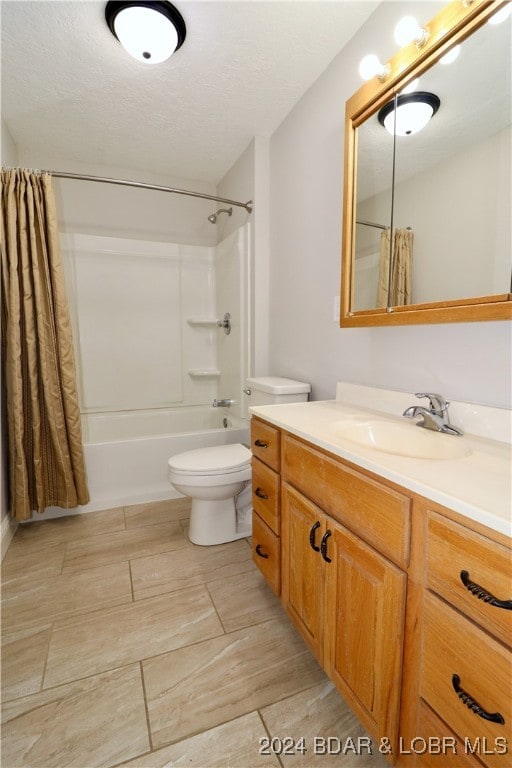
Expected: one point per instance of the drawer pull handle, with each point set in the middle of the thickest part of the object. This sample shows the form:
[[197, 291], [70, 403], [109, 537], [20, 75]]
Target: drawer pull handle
[[259, 493], [260, 444], [482, 593], [260, 553], [312, 537], [469, 701], [323, 546]]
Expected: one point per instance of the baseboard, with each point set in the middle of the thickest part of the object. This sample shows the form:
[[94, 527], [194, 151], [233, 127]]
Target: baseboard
[[7, 531]]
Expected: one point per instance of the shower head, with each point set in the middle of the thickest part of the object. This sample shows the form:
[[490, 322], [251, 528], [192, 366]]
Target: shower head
[[213, 217]]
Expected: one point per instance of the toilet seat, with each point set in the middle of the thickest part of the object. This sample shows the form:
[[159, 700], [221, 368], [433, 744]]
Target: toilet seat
[[217, 460]]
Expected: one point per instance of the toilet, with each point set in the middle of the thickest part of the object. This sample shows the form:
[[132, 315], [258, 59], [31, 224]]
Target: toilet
[[217, 479]]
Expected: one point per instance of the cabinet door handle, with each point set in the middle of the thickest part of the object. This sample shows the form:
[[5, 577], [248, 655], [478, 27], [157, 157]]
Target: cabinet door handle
[[260, 553], [323, 546], [312, 537], [483, 594], [470, 702], [259, 493], [260, 444]]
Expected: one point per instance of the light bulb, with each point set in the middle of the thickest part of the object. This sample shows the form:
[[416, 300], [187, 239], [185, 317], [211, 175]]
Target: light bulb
[[409, 31], [146, 34], [450, 57], [501, 15], [370, 67]]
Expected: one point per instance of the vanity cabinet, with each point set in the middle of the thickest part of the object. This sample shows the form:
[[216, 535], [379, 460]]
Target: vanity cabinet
[[346, 598], [266, 543], [466, 665], [405, 604]]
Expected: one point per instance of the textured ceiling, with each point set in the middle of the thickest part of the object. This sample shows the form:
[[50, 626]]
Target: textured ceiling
[[71, 92]]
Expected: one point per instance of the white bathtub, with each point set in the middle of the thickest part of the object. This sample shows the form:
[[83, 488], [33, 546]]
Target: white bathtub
[[126, 453]]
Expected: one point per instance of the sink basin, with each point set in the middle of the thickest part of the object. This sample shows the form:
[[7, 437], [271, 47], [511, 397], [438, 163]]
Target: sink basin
[[402, 439]]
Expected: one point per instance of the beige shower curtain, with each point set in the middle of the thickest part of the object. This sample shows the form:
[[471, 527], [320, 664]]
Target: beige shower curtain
[[45, 454], [395, 291]]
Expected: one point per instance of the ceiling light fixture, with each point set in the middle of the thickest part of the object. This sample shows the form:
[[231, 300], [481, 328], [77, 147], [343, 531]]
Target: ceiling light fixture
[[409, 31], [370, 66], [413, 112], [149, 31]]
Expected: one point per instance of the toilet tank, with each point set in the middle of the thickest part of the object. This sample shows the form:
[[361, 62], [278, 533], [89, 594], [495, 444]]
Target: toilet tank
[[273, 390]]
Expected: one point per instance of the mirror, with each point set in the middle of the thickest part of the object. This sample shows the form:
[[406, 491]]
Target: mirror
[[427, 224]]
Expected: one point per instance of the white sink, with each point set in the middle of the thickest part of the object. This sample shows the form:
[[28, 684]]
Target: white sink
[[402, 439]]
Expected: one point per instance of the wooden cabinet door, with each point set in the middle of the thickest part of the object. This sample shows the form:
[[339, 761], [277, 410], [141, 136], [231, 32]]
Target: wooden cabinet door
[[365, 609], [302, 529]]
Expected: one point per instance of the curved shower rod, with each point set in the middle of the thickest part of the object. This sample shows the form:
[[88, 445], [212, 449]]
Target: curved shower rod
[[123, 182]]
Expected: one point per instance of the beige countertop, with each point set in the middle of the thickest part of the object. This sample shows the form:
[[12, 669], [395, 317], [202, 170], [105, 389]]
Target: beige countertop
[[478, 485]]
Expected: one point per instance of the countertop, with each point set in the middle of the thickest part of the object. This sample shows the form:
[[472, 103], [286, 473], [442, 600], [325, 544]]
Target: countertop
[[478, 485]]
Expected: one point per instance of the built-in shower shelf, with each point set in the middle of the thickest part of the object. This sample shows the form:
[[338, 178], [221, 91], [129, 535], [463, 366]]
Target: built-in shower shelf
[[203, 322], [204, 373]]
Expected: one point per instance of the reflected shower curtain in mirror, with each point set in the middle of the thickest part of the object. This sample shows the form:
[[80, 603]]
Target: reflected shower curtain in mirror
[[394, 288], [45, 452]]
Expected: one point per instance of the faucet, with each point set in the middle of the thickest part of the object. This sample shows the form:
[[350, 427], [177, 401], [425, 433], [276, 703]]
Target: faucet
[[223, 403], [436, 417]]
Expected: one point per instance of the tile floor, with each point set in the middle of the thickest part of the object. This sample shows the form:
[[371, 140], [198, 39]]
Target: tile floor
[[123, 644]]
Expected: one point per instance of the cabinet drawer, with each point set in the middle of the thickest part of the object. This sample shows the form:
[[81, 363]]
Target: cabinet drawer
[[266, 552], [380, 515], [265, 443], [486, 567], [454, 646], [265, 494], [448, 752]]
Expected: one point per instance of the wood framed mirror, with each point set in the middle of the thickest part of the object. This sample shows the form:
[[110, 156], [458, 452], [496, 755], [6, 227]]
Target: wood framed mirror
[[427, 214]]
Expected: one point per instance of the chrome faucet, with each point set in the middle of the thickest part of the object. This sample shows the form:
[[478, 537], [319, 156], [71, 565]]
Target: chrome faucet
[[223, 403], [436, 417]]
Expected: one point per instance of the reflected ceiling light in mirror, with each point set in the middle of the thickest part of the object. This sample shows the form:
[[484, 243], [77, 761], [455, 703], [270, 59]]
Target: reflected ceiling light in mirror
[[450, 57], [370, 66], [150, 31], [412, 114], [501, 15], [409, 31]]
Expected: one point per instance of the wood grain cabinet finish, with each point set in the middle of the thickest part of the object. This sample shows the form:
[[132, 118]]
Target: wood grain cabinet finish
[[348, 602], [266, 553], [466, 680], [404, 603], [473, 573], [265, 443]]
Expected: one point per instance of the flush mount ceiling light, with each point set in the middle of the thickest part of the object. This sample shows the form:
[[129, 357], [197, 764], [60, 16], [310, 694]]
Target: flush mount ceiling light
[[413, 112], [149, 31]]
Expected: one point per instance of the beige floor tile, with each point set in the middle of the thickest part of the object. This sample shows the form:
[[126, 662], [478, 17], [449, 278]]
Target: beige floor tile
[[232, 745], [188, 567], [92, 723], [73, 527], [39, 601], [244, 599], [123, 545], [116, 636], [29, 560], [23, 658], [155, 512], [331, 734], [203, 685]]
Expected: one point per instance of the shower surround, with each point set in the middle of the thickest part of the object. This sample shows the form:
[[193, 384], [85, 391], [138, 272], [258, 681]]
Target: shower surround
[[151, 358]]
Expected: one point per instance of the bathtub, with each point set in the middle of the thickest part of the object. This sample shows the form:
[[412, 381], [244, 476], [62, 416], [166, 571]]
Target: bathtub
[[126, 453]]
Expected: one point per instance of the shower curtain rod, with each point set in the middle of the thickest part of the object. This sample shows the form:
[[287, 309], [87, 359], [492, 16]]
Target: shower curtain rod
[[370, 224], [123, 182]]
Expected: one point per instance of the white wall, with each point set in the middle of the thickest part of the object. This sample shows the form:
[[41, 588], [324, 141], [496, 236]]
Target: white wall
[[469, 362], [248, 179], [7, 526]]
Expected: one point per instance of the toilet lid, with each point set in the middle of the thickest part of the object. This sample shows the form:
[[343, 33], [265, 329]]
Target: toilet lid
[[215, 461]]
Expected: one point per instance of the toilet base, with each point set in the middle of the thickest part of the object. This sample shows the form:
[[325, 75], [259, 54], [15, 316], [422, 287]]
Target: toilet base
[[213, 521]]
